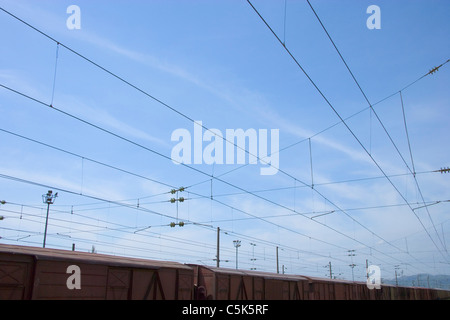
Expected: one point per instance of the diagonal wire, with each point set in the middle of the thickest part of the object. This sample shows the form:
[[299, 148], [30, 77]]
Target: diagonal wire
[[343, 121], [173, 109], [223, 181], [379, 120]]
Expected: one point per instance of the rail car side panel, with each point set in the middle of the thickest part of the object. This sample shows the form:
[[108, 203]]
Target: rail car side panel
[[118, 284], [222, 287], [50, 281], [15, 276]]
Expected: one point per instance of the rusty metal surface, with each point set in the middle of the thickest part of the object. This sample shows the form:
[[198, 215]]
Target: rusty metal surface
[[36, 273], [14, 275], [41, 274], [93, 258], [232, 284]]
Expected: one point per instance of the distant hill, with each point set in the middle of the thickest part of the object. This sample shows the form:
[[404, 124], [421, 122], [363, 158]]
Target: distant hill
[[421, 280]]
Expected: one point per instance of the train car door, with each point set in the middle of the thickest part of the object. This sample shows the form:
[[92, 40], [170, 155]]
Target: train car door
[[118, 284], [14, 280]]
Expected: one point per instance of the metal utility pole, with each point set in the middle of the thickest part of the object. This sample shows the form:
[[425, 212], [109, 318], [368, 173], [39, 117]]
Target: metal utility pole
[[278, 268], [352, 266], [396, 279], [352, 254], [237, 244], [331, 272], [218, 246], [253, 256], [49, 199], [367, 269]]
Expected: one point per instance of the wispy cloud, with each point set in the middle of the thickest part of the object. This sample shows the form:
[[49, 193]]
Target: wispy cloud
[[104, 118]]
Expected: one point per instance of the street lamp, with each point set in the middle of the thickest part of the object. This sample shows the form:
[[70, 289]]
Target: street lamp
[[49, 199], [237, 244]]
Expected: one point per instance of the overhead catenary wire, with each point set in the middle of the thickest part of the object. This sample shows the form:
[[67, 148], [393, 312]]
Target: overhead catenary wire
[[148, 210], [191, 119], [55, 73], [152, 211], [132, 207], [128, 83], [86, 158], [329, 127], [407, 134], [59, 149], [148, 95], [217, 195], [379, 120], [178, 112], [252, 217], [344, 122], [128, 229], [214, 177], [246, 191]]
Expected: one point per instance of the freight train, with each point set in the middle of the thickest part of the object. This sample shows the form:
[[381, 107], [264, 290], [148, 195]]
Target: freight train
[[29, 273]]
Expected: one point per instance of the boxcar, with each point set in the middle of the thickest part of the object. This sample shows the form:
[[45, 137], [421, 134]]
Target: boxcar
[[37, 273], [230, 284]]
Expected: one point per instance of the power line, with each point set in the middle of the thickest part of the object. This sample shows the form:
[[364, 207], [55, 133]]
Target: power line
[[139, 176], [118, 227], [121, 228], [331, 126], [147, 95], [150, 96], [115, 75], [85, 158], [407, 134], [379, 120], [154, 212], [251, 215], [167, 106], [343, 121], [101, 163], [204, 173]]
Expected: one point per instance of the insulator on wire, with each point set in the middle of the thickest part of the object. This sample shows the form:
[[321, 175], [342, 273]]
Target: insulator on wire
[[181, 189], [173, 224], [444, 170]]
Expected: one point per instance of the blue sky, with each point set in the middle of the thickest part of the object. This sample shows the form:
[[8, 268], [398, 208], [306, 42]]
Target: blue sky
[[339, 187]]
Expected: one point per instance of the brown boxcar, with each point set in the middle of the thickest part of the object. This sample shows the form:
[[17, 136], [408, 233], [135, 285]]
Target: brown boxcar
[[37, 273], [230, 284], [332, 289]]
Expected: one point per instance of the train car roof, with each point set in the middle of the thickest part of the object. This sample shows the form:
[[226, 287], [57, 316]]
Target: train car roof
[[269, 275], [92, 258], [253, 273]]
